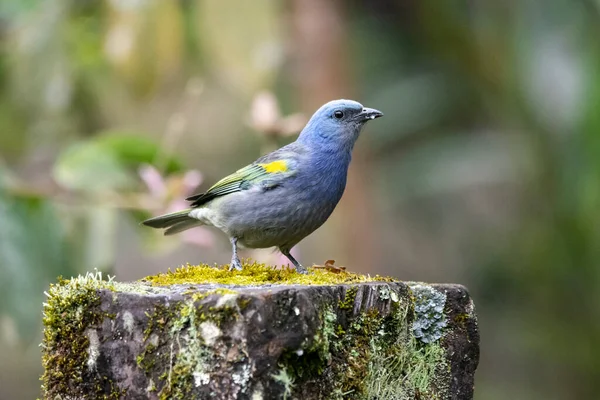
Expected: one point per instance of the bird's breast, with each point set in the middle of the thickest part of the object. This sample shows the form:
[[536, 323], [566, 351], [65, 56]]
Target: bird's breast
[[321, 186]]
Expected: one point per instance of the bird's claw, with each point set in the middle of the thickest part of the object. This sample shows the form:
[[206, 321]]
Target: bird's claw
[[235, 264], [301, 270]]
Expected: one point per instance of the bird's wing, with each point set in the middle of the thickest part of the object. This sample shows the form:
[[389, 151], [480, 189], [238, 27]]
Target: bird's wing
[[266, 170]]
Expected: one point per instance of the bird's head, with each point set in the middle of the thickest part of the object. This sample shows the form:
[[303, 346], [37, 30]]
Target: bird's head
[[338, 123]]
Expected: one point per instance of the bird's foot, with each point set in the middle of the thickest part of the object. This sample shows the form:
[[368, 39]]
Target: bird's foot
[[329, 266], [235, 264], [301, 270]]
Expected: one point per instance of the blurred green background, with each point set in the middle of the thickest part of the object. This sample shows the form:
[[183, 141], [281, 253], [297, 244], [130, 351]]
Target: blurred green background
[[485, 170]]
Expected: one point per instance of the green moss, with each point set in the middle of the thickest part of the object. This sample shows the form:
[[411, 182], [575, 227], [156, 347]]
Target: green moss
[[147, 359], [371, 356], [461, 320], [157, 320], [180, 357], [193, 362], [401, 366], [70, 346], [349, 299], [311, 361], [256, 274]]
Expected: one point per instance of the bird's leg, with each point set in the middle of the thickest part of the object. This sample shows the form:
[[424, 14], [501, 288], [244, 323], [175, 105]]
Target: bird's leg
[[235, 261], [299, 268]]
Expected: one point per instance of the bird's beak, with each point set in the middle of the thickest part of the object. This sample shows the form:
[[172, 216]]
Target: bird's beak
[[369, 113]]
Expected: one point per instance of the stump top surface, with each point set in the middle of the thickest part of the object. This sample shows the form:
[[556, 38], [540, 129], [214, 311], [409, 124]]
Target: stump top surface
[[255, 274]]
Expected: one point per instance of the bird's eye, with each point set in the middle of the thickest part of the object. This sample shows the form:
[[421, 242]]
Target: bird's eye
[[338, 114]]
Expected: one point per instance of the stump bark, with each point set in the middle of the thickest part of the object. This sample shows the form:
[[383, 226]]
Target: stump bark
[[374, 340]]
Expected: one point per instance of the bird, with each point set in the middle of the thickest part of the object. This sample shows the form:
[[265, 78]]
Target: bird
[[285, 195]]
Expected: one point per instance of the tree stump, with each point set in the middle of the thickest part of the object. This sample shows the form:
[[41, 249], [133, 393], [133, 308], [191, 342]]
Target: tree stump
[[354, 338]]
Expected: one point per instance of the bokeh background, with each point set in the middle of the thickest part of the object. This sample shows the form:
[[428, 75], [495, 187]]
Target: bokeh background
[[485, 170]]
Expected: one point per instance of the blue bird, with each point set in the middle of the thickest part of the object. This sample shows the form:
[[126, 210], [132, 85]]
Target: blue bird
[[285, 195]]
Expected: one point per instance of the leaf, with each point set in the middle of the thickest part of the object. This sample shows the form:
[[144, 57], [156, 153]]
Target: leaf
[[133, 150], [90, 167], [107, 162]]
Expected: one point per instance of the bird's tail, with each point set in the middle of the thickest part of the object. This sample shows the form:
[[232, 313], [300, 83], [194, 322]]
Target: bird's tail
[[174, 222]]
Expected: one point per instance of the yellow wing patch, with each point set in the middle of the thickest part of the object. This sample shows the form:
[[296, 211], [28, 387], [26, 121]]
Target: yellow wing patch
[[275, 167]]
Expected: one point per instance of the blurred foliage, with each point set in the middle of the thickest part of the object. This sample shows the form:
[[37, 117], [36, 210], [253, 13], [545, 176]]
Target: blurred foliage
[[101, 164], [484, 171], [34, 249]]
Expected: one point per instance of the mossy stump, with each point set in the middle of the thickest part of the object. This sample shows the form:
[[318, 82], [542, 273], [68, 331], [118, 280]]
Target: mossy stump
[[274, 337]]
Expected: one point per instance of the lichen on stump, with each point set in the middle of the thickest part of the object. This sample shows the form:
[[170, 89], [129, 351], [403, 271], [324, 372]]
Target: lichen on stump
[[261, 333]]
